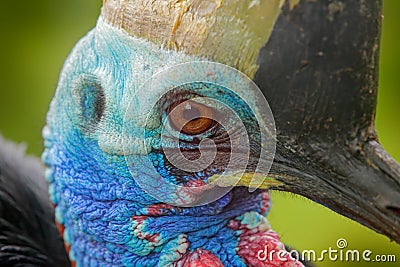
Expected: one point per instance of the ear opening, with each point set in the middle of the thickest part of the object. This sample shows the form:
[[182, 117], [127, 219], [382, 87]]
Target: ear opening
[[91, 101]]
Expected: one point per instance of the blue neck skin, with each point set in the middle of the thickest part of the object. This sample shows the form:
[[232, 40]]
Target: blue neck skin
[[108, 219]]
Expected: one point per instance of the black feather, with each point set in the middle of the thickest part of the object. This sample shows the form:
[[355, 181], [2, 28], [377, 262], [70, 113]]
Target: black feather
[[28, 234]]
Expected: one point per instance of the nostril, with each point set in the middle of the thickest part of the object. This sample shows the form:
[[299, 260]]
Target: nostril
[[394, 209]]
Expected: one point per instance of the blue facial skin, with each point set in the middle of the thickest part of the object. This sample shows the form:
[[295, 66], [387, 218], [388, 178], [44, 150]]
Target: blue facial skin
[[105, 213]]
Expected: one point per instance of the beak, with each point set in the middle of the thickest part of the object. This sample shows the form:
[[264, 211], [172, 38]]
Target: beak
[[320, 77], [361, 185]]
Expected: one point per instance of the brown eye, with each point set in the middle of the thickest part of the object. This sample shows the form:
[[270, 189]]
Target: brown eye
[[190, 117]]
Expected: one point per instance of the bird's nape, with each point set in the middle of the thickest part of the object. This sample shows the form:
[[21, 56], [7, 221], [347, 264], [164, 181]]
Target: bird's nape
[[28, 235]]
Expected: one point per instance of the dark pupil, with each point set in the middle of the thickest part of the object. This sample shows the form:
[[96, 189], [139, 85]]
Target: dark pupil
[[191, 113]]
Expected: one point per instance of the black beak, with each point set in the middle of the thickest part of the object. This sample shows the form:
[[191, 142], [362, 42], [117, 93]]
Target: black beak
[[319, 73], [363, 185]]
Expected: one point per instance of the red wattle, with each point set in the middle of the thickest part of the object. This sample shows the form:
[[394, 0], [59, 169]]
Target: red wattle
[[260, 248], [199, 258]]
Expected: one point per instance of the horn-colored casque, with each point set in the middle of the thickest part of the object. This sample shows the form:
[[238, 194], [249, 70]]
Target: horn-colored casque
[[198, 27]]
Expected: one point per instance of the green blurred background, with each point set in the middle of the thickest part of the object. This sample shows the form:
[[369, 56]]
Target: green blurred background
[[36, 36]]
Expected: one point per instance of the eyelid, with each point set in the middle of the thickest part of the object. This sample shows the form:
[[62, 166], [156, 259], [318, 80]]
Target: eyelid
[[174, 98]]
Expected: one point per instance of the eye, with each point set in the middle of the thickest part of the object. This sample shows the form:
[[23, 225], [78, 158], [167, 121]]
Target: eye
[[190, 117]]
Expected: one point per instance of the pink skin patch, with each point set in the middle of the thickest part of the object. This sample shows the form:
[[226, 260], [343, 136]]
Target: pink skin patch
[[196, 187], [261, 247], [199, 258], [266, 202], [137, 223], [190, 192], [159, 209]]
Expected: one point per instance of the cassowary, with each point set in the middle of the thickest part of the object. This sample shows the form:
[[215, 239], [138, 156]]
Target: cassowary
[[109, 155]]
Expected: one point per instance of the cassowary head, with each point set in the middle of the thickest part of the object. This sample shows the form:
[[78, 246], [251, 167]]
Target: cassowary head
[[159, 155]]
